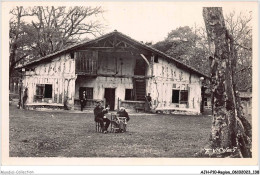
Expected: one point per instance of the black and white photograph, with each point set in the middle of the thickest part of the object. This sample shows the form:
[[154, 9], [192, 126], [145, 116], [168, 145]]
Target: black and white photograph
[[129, 83]]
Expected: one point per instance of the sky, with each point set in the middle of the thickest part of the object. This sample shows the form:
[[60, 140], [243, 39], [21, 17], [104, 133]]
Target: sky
[[151, 22]]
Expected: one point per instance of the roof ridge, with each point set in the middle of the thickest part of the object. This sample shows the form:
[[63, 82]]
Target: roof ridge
[[164, 54], [75, 46]]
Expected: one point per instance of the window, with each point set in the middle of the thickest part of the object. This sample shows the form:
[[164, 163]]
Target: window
[[39, 91], [180, 96], [43, 91], [72, 55], [156, 59], [129, 95], [48, 91], [89, 92], [183, 97], [175, 96]]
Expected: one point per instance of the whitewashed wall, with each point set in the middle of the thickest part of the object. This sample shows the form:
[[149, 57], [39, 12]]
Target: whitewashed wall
[[60, 73], [100, 83], [165, 75], [118, 64]]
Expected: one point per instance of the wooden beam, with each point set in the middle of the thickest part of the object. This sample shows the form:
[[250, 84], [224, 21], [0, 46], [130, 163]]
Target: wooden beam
[[145, 59], [152, 64], [124, 76], [114, 40], [86, 74], [118, 43], [112, 49], [110, 42], [113, 75], [100, 47]]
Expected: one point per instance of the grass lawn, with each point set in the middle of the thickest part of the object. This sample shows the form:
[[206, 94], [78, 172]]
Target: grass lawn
[[64, 134]]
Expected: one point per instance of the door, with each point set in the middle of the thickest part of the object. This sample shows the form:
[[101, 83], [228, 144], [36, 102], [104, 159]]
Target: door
[[81, 89], [139, 89], [110, 97]]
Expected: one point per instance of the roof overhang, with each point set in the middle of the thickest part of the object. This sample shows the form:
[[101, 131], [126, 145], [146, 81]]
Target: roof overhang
[[137, 44]]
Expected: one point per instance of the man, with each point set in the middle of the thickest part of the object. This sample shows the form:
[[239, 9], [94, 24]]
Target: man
[[149, 98], [100, 117], [83, 100], [148, 102], [25, 96]]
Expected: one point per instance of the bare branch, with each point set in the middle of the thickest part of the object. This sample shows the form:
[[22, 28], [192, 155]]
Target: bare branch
[[244, 47]]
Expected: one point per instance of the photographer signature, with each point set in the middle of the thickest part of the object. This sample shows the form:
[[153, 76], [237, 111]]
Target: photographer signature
[[220, 150]]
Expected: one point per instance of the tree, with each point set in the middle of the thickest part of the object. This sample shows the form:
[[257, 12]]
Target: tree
[[239, 26], [51, 29], [17, 37], [56, 28], [185, 44], [178, 43], [229, 128]]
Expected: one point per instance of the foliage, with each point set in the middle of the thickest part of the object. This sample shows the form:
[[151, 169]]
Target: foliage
[[239, 26], [185, 44], [190, 45], [50, 29]]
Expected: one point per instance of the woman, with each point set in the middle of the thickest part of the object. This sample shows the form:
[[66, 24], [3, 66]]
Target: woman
[[121, 124]]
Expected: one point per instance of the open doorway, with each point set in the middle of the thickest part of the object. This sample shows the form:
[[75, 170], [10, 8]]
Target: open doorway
[[110, 97]]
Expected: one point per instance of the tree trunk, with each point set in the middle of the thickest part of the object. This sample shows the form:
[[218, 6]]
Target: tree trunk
[[230, 130]]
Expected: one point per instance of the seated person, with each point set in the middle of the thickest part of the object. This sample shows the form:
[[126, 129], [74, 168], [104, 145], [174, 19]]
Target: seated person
[[100, 117], [122, 113]]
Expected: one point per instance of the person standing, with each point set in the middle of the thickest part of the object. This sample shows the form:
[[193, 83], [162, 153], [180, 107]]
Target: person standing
[[83, 100], [99, 113], [25, 96], [148, 102]]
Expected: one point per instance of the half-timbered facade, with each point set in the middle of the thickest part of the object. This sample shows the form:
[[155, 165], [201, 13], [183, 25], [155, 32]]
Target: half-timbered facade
[[114, 68]]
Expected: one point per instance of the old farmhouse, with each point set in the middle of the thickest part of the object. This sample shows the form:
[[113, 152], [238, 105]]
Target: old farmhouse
[[116, 69]]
